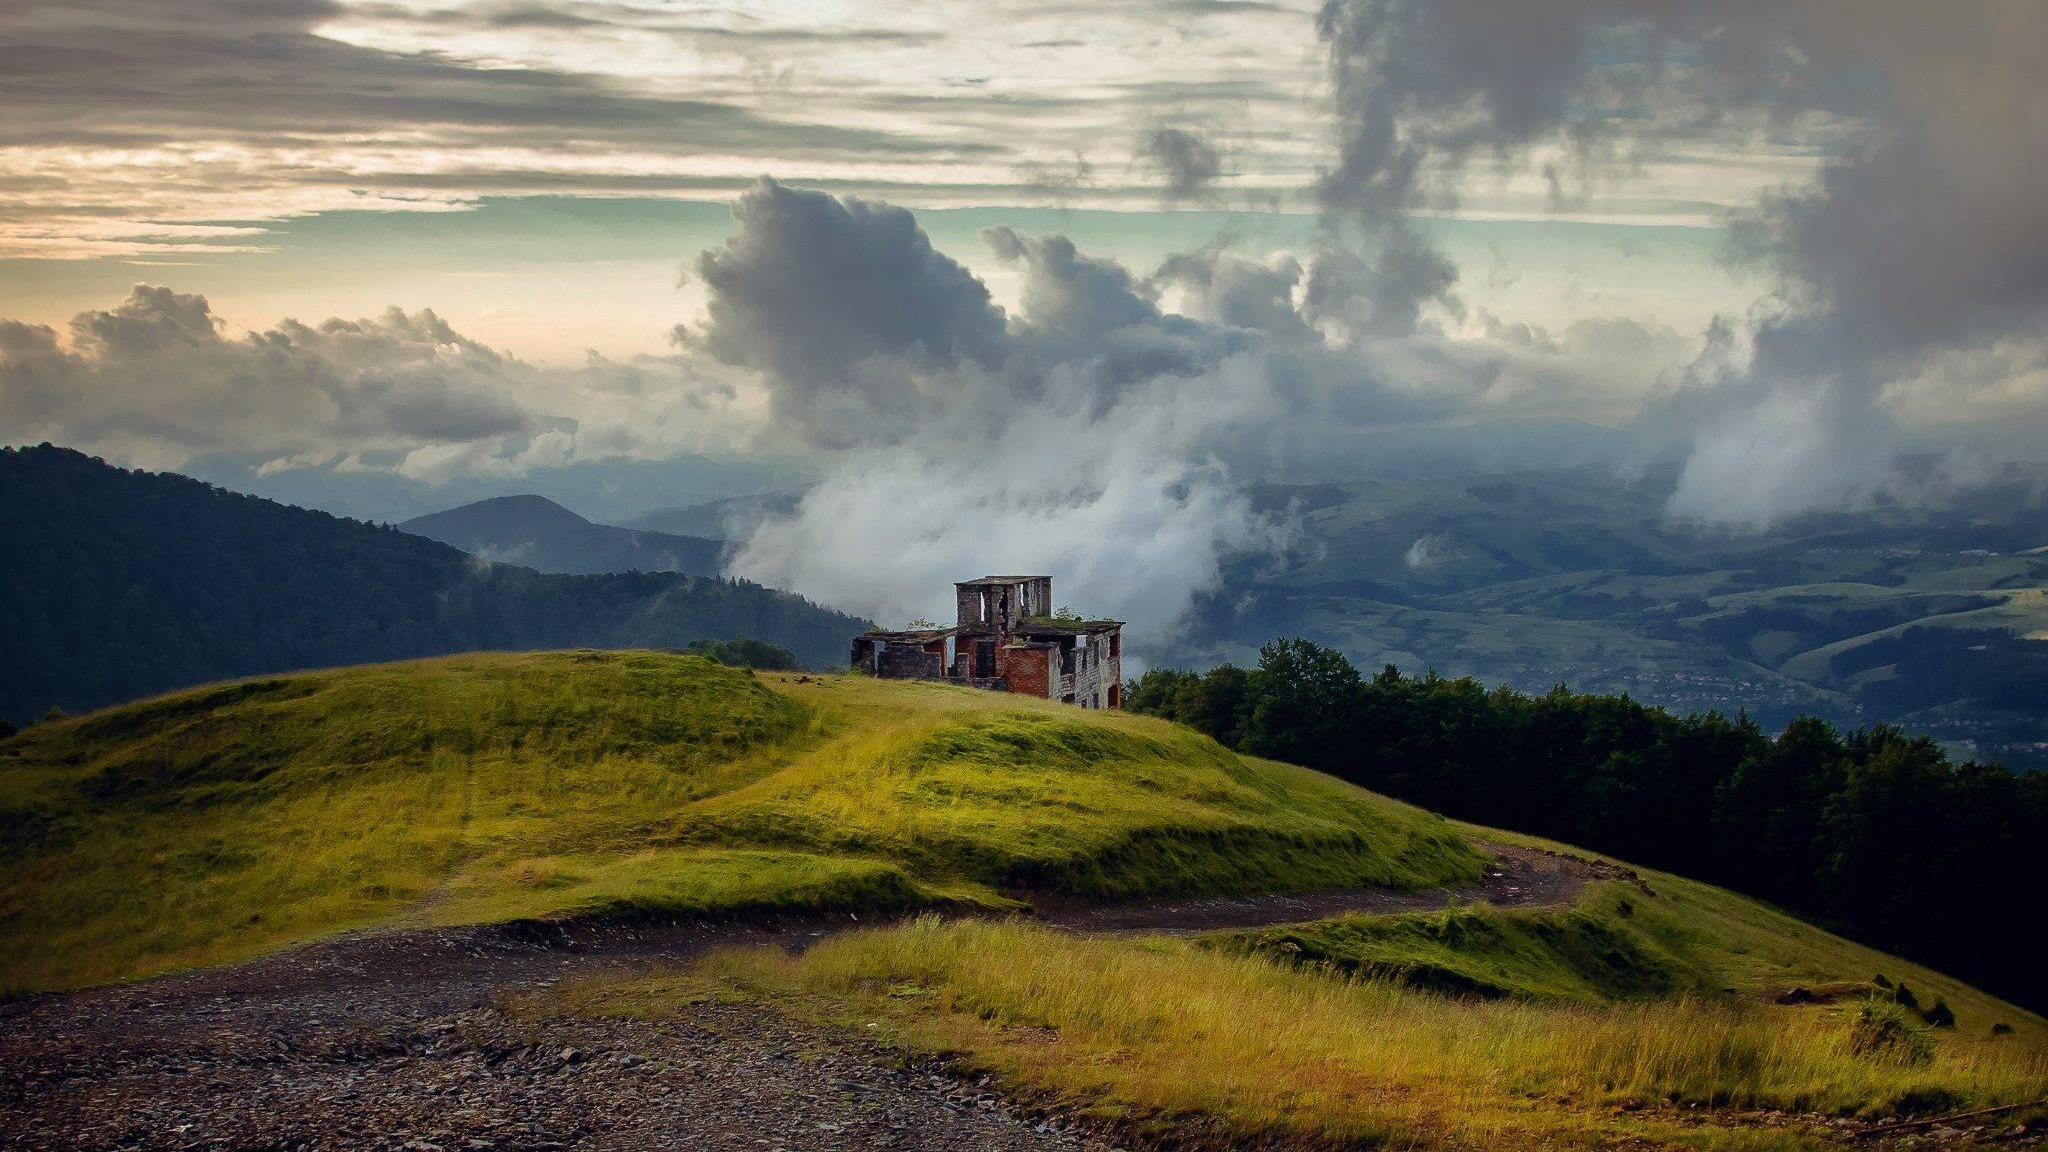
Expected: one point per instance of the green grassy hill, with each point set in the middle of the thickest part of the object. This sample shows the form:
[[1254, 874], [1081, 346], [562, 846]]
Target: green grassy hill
[[210, 825], [215, 824]]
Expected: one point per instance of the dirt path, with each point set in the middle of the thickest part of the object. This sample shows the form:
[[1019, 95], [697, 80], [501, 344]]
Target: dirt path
[[1519, 877], [398, 1042]]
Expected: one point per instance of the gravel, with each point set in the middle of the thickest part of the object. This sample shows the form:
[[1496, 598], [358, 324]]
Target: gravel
[[399, 1042]]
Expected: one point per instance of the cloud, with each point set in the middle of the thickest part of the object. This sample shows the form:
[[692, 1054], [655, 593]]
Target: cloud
[[1121, 505], [123, 122], [1069, 297], [1094, 433], [844, 306], [1185, 161], [1239, 293], [1921, 235], [129, 128], [155, 380], [1429, 551], [1076, 437]]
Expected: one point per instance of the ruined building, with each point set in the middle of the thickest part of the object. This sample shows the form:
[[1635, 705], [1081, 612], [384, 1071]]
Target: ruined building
[[1006, 638]]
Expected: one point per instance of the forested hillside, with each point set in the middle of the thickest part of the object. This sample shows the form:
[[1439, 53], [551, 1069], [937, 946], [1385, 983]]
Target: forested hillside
[[1873, 830], [117, 584]]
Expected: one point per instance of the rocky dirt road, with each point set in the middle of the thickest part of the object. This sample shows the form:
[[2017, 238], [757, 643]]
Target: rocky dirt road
[[398, 1041]]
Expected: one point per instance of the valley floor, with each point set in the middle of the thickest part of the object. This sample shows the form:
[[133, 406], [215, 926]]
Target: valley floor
[[410, 1041]]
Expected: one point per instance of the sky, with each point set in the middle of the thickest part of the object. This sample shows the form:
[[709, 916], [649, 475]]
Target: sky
[[387, 256]]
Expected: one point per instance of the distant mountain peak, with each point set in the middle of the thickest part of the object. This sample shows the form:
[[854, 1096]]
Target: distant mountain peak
[[524, 511], [537, 532]]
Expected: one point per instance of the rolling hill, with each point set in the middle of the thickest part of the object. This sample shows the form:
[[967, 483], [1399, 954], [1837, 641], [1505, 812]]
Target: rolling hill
[[535, 532], [218, 823], [215, 823], [117, 584]]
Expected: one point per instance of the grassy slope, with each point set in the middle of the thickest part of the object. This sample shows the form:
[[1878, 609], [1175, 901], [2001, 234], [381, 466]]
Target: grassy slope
[[1611, 1023], [210, 825]]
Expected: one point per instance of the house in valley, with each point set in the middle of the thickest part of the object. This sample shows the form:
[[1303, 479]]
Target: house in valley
[[1007, 637]]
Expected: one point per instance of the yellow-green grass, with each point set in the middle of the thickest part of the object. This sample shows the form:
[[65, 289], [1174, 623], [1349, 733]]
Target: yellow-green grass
[[210, 825], [1721, 942], [1209, 1047], [1612, 945], [1632, 1017]]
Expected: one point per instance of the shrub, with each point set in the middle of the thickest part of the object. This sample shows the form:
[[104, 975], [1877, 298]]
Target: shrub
[[1884, 1032], [746, 653]]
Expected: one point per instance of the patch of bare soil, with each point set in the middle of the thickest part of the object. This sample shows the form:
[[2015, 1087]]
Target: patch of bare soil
[[398, 1042]]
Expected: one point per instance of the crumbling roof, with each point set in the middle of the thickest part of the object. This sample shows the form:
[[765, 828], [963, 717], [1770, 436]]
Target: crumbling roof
[[993, 581], [1052, 626], [912, 635]]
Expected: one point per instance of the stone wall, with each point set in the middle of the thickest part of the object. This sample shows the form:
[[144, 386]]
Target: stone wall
[[901, 662]]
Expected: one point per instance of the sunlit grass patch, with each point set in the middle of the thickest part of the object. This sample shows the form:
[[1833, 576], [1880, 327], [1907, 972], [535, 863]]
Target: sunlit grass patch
[[1230, 1049], [209, 825], [1588, 953]]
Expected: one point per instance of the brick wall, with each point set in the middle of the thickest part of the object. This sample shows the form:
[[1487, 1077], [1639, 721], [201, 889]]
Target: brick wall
[[1027, 671]]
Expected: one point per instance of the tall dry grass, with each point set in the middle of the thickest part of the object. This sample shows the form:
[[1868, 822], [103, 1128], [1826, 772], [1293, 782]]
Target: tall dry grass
[[1160, 1032]]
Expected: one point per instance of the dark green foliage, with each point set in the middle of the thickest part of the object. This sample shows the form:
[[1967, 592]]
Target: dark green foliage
[[1873, 831], [117, 584], [746, 652]]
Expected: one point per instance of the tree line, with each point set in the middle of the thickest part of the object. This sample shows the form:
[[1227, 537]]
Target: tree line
[[1873, 831]]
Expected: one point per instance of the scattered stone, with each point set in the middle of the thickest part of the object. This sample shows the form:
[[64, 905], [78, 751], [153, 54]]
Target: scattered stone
[[408, 1043]]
